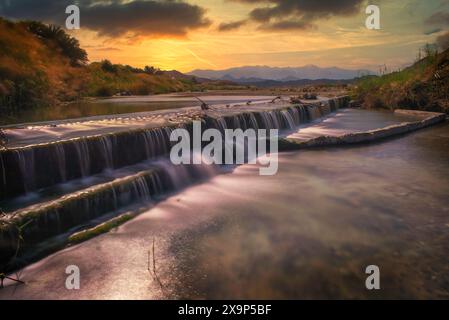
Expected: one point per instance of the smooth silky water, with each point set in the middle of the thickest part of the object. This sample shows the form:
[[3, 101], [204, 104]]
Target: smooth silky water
[[307, 232]]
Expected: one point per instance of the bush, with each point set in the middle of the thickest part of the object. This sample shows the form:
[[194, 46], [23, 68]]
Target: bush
[[104, 91], [107, 66], [141, 89]]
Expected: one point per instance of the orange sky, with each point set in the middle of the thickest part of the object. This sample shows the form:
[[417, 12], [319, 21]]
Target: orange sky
[[332, 36], [338, 41]]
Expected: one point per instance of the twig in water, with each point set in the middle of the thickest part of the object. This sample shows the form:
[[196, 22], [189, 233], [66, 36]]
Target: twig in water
[[4, 276], [20, 239], [277, 98], [204, 105], [152, 271]]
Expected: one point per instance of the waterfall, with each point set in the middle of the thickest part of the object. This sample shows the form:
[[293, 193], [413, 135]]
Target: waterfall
[[144, 152], [44, 165], [82, 150], [289, 119], [106, 146], [60, 159], [27, 169], [26, 162]]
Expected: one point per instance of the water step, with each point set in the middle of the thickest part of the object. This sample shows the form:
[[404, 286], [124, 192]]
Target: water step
[[52, 218], [30, 168], [37, 167]]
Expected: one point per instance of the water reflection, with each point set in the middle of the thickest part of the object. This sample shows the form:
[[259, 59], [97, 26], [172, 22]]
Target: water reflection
[[119, 105], [310, 231]]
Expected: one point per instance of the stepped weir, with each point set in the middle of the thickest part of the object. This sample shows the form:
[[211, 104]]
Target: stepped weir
[[53, 186]]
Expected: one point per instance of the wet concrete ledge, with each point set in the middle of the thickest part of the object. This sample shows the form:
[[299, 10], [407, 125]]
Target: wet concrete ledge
[[49, 219], [427, 119], [29, 168]]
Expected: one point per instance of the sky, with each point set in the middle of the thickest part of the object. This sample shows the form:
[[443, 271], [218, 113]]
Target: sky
[[219, 34]]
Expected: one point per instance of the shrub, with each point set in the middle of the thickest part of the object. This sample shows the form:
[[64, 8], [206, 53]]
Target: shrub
[[104, 91], [107, 66]]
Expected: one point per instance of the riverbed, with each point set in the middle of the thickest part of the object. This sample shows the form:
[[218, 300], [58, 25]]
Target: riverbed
[[307, 232]]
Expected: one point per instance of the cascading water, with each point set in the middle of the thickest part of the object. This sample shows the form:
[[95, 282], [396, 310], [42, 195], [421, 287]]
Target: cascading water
[[82, 151], [145, 151], [41, 166], [60, 159], [26, 164]]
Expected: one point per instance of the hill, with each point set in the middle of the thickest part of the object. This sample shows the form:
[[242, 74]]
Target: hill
[[260, 73], [35, 69], [422, 86], [261, 83], [42, 65]]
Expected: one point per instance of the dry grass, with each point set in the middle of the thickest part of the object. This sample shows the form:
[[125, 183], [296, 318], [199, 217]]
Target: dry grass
[[423, 86], [35, 71]]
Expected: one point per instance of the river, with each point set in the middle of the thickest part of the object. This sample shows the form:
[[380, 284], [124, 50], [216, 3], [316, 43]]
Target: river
[[307, 232]]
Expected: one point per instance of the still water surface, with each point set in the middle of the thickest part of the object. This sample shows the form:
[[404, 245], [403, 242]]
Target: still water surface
[[121, 105]]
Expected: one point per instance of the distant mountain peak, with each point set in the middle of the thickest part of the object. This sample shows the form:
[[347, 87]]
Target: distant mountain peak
[[310, 71]]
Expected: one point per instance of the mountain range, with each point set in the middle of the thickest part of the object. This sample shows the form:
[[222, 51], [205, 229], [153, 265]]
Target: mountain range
[[252, 74]]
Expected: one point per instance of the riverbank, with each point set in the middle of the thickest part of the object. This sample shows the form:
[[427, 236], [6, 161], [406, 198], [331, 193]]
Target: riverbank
[[42, 68], [421, 86]]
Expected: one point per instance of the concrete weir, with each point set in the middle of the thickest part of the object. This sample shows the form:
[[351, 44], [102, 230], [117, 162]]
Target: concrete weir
[[425, 119], [136, 160], [24, 169], [50, 162]]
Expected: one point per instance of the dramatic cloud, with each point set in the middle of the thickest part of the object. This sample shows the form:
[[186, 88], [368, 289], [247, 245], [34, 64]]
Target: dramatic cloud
[[298, 14], [115, 17], [440, 19], [288, 25]]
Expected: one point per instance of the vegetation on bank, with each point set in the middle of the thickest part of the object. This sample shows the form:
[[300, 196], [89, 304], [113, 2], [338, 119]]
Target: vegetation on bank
[[41, 65], [422, 86], [33, 69]]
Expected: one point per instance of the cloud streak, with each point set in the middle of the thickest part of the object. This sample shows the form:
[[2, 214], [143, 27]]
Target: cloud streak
[[439, 19], [231, 25]]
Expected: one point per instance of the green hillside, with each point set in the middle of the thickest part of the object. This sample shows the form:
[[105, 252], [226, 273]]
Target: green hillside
[[422, 86], [41, 65]]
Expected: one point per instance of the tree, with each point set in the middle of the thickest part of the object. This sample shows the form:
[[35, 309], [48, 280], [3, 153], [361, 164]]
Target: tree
[[430, 50], [152, 70], [107, 66], [69, 46]]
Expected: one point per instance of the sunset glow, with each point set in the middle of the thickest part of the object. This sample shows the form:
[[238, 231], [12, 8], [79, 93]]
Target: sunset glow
[[224, 35]]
